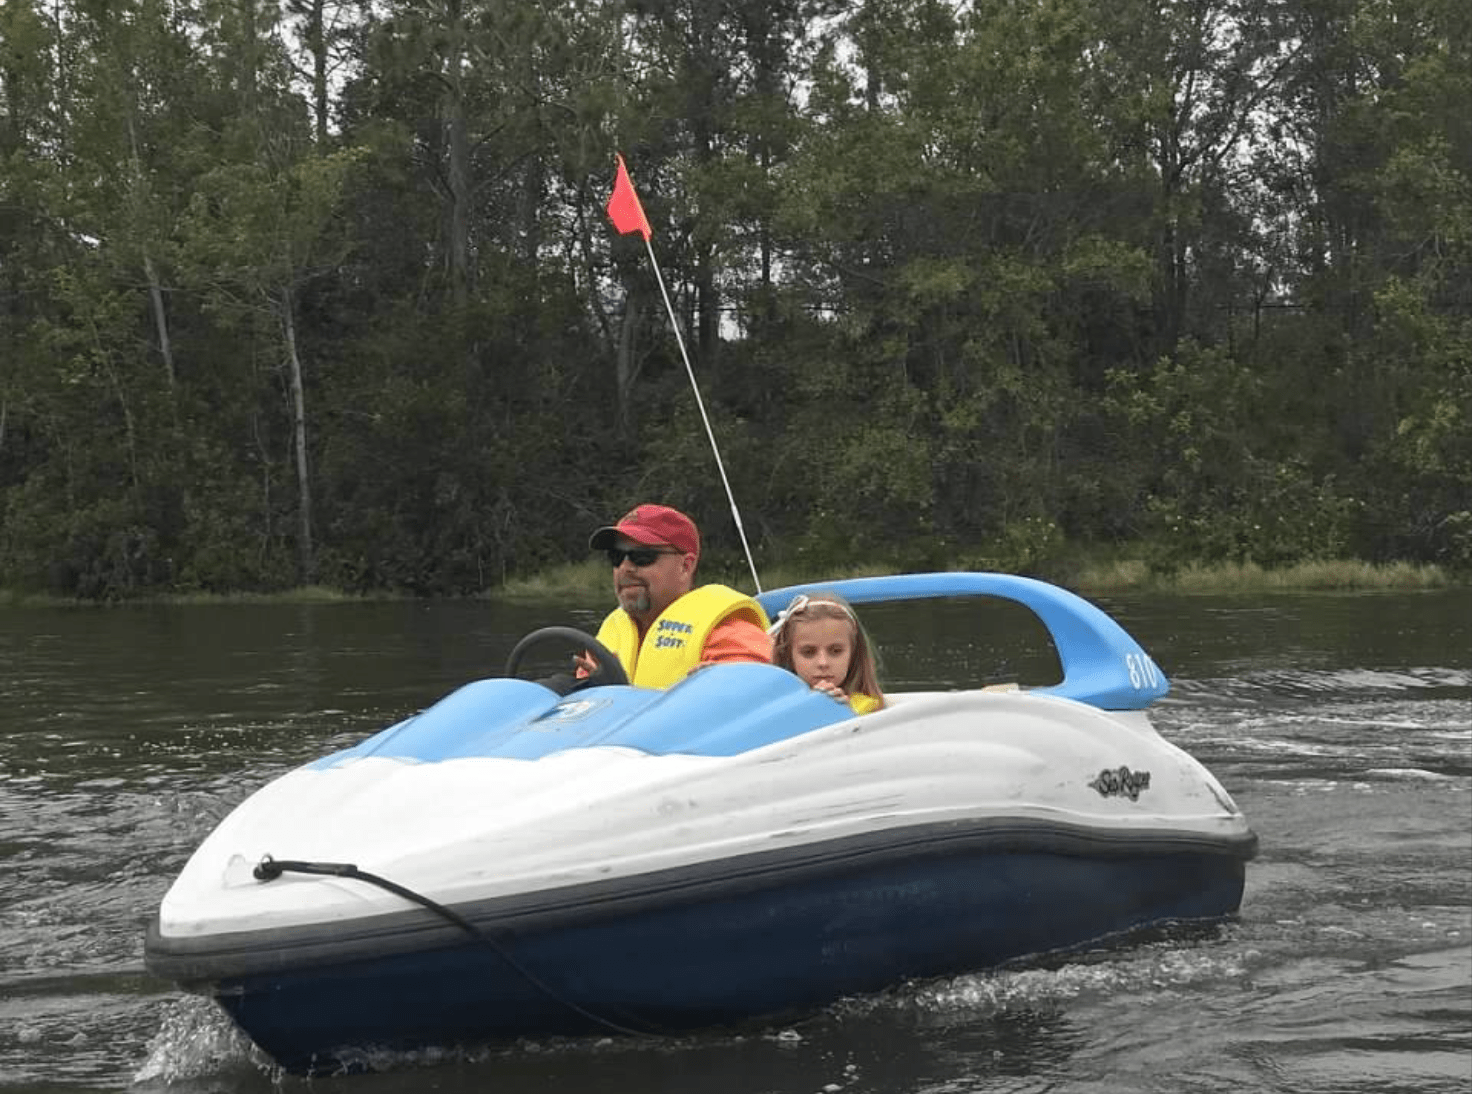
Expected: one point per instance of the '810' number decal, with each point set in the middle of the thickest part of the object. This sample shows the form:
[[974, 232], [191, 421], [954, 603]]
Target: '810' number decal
[[1142, 670]]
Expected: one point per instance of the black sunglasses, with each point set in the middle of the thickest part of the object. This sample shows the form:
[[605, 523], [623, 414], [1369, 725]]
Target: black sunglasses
[[639, 556]]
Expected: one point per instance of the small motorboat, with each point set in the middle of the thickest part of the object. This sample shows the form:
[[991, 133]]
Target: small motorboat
[[513, 862]]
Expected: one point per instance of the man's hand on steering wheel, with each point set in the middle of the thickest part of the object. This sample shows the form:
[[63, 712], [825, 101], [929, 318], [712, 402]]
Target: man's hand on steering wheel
[[605, 667]]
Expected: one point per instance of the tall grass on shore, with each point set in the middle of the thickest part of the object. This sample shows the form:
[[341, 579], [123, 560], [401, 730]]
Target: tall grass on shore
[[589, 582], [592, 578], [304, 594], [1237, 577], [586, 580]]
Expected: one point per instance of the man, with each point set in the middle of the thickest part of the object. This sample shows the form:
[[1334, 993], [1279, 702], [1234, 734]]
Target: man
[[664, 628]]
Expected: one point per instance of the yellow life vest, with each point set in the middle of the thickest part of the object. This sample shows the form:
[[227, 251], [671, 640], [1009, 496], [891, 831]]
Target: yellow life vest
[[674, 641]]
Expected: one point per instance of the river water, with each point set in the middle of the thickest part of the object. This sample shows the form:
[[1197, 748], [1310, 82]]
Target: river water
[[1342, 725]]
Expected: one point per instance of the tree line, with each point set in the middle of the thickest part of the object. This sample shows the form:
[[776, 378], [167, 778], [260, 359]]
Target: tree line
[[322, 291]]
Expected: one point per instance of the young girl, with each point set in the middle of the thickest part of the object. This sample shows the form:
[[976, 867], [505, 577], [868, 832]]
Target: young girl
[[820, 639]]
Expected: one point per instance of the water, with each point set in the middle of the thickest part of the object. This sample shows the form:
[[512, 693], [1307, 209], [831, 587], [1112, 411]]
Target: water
[[1341, 724]]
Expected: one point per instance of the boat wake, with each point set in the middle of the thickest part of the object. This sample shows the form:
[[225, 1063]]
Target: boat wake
[[1031, 988], [197, 1040]]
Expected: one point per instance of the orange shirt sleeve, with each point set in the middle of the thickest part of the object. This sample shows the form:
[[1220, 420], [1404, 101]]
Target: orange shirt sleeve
[[736, 639]]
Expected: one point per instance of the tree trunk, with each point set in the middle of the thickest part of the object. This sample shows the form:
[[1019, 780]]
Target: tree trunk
[[459, 180], [306, 558], [160, 317], [707, 306], [150, 272], [129, 427], [250, 58], [315, 38], [625, 370]]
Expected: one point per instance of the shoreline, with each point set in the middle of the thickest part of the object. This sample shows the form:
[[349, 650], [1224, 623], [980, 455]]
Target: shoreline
[[1088, 579]]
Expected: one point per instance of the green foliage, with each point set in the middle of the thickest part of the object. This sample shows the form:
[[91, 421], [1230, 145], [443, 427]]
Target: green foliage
[[1214, 488], [1032, 545], [1421, 486], [974, 282]]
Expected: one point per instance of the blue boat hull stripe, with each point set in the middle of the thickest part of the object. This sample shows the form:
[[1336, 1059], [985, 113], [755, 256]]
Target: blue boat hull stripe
[[729, 953], [218, 957]]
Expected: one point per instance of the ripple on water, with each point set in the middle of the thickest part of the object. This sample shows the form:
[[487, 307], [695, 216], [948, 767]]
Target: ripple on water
[[1363, 737], [1368, 1023], [1255, 681], [57, 1038]]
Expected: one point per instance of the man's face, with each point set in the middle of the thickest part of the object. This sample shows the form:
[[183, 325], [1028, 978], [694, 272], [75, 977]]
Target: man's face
[[645, 591]]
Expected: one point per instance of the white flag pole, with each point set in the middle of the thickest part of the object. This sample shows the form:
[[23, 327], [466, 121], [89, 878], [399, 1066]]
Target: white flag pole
[[699, 402]]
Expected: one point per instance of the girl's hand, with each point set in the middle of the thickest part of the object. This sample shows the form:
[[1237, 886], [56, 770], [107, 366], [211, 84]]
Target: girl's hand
[[584, 664], [833, 691]]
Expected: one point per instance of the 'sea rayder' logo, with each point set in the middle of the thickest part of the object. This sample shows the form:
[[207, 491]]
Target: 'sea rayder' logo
[[1121, 782]]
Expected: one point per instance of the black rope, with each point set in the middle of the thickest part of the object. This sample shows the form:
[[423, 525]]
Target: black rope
[[269, 869]]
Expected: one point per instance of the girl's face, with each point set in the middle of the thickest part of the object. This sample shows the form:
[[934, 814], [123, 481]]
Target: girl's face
[[822, 650]]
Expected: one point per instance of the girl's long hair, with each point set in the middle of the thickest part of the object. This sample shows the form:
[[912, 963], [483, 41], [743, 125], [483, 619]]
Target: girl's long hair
[[863, 672]]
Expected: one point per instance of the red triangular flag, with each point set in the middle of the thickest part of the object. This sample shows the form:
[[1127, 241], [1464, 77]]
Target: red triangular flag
[[623, 206]]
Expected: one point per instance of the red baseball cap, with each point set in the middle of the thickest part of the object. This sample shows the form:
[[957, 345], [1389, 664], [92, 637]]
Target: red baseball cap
[[652, 526]]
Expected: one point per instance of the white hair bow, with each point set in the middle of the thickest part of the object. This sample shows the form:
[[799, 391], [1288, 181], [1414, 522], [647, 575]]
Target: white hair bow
[[795, 605], [802, 601]]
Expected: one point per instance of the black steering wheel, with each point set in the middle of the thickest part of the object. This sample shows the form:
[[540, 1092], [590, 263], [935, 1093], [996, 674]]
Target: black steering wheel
[[610, 668]]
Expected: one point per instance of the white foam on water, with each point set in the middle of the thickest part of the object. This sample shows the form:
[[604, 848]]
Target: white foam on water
[[1412, 773], [1153, 968], [195, 1040]]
